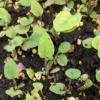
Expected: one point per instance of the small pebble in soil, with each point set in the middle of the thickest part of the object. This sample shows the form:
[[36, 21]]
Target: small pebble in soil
[[84, 76], [71, 98], [24, 48], [38, 75], [34, 51], [80, 62], [72, 48], [79, 41], [81, 24]]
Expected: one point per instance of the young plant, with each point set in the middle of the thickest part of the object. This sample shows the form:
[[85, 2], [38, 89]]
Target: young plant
[[5, 17], [73, 73], [96, 44], [93, 42], [60, 57], [63, 21], [12, 92], [89, 5], [11, 71], [98, 75], [58, 88]]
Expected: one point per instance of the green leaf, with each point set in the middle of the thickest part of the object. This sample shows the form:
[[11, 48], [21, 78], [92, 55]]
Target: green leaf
[[35, 37], [64, 47], [36, 8], [28, 97], [11, 69], [10, 32], [98, 75], [4, 15], [70, 4], [51, 2], [84, 1], [30, 73], [11, 92], [58, 88], [97, 32], [25, 3], [93, 15], [38, 86], [36, 95], [46, 47], [59, 2], [62, 60], [88, 83], [73, 73], [18, 40], [96, 42], [21, 29], [25, 21], [63, 21], [87, 43], [10, 47]]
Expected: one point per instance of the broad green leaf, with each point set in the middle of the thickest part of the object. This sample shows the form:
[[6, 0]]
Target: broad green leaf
[[18, 40], [70, 4], [35, 37], [36, 95], [73, 73], [21, 29], [97, 32], [58, 88], [60, 2], [64, 47], [65, 22], [30, 73], [2, 22], [25, 21], [98, 75], [36, 8], [96, 42], [51, 2], [9, 47], [28, 97], [4, 15], [84, 1], [10, 32], [11, 92], [11, 69], [38, 86], [46, 47], [25, 3], [98, 52], [62, 60], [93, 15], [88, 83], [87, 43]]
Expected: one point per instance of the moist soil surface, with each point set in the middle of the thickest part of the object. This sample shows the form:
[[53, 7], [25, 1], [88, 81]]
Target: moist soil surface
[[88, 57]]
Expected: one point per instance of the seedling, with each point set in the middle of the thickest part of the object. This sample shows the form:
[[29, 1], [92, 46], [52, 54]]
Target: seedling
[[12, 92], [93, 42], [36, 8], [96, 44], [89, 5], [87, 43], [11, 69], [63, 21], [73, 73], [5, 17], [98, 75], [38, 86], [58, 88]]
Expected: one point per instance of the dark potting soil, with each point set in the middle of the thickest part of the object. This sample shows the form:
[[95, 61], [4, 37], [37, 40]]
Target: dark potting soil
[[88, 57]]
